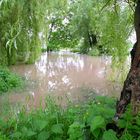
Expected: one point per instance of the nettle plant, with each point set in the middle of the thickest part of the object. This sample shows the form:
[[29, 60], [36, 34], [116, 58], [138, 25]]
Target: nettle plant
[[92, 120]]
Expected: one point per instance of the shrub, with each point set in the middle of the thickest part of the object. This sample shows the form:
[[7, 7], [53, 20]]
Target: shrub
[[9, 80], [94, 52]]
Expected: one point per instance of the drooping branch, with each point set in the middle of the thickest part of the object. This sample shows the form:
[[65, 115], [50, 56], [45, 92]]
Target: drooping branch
[[106, 4]]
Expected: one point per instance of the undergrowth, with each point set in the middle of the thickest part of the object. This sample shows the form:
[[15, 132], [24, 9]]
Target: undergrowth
[[9, 80], [89, 121]]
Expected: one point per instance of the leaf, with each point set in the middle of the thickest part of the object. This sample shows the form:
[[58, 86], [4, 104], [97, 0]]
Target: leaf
[[15, 44], [39, 124], [30, 133], [75, 131], [1, 2], [17, 135], [97, 122], [122, 123], [7, 43], [109, 135], [27, 132], [57, 129], [43, 135], [138, 121], [127, 136], [97, 132]]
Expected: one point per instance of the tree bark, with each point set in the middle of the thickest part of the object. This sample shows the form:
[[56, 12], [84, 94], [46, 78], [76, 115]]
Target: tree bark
[[131, 89]]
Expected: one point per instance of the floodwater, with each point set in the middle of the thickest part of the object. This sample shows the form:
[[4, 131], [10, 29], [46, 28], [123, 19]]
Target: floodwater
[[64, 75]]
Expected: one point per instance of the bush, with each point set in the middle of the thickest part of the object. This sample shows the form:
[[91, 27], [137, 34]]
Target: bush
[[9, 80], [94, 52]]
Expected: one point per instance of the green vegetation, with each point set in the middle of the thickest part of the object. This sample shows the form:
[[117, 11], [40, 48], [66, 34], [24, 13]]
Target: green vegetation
[[20, 24], [9, 80], [94, 52], [92, 121], [93, 27], [27, 26]]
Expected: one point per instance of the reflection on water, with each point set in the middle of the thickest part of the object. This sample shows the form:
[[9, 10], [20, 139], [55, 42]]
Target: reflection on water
[[65, 74]]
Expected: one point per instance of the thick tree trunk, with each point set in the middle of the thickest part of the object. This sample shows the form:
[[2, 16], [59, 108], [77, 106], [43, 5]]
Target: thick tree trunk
[[131, 88]]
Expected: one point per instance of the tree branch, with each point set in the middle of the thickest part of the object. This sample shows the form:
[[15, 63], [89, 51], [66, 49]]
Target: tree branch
[[105, 5]]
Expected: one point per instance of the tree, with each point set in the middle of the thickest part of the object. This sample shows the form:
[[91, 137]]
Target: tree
[[131, 88], [59, 35], [24, 28], [21, 22], [83, 23], [101, 25], [113, 25]]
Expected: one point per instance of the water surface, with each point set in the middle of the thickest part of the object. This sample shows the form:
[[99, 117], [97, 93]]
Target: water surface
[[64, 75]]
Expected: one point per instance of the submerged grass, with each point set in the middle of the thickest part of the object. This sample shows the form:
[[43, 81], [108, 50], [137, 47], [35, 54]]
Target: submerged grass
[[89, 121]]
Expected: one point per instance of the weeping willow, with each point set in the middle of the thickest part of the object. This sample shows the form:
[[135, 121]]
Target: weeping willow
[[24, 26], [110, 21], [21, 21]]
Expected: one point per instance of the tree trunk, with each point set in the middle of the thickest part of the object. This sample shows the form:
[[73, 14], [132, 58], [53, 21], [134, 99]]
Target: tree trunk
[[131, 89]]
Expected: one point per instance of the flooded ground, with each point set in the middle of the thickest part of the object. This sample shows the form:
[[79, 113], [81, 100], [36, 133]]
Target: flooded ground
[[64, 75]]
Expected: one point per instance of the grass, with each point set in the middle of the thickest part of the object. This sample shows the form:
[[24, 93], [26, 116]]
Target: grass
[[9, 80], [89, 121]]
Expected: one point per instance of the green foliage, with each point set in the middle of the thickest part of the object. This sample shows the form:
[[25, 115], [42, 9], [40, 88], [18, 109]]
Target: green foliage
[[108, 21], [9, 80], [26, 26], [130, 124], [3, 137], [110, 134], [94, 52], [75, 131], [20, 24], [56, 123], [59, 35], [97, 123], [76, 122], [116, 30]]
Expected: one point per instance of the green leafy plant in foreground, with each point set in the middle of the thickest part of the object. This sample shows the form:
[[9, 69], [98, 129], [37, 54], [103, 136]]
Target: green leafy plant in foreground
[[9, 80], [76, 122]]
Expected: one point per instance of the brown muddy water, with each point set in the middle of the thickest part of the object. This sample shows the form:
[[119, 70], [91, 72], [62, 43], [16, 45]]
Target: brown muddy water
[[65, 76]]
